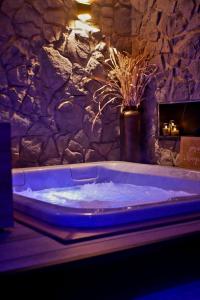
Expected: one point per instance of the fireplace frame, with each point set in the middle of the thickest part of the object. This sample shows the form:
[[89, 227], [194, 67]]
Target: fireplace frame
[[182, 105]]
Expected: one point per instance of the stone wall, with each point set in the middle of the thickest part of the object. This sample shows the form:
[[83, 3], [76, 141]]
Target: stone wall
[[170, 31], [114, 17], [45, 75], [46, 86]]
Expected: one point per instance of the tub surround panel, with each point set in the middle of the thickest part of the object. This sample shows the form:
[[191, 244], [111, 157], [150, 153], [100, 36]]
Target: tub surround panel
[[6, 204], [34, 253], [112, 166]]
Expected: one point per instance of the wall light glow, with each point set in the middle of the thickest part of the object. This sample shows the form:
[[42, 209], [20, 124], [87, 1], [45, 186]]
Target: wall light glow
[[84, 17], [83, 21], [86, 2], [83, 26]]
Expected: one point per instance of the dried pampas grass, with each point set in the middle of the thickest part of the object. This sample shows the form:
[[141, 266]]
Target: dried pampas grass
[[127, 78]]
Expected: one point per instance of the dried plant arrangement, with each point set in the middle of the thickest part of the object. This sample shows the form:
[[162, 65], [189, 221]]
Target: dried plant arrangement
[[127, 78]]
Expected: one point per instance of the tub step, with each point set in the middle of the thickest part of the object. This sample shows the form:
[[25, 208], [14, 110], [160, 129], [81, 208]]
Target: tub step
[[84, 174]]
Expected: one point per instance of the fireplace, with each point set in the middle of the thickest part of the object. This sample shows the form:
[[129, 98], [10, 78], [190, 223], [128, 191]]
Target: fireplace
[[179, 119]]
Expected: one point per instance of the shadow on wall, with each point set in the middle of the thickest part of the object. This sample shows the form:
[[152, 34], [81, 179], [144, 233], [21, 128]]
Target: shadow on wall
[[148, 124]]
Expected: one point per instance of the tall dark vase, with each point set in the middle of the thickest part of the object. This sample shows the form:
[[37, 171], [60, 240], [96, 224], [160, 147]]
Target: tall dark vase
[[130, 134]]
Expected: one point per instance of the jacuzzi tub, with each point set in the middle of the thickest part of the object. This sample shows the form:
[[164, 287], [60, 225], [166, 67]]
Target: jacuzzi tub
[[37, 179]]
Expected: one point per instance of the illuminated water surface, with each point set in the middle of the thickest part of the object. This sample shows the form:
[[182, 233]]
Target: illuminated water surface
[[104, 195]]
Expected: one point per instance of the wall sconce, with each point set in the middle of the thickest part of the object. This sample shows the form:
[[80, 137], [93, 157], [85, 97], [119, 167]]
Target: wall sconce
[[86, 2], [83, 7]]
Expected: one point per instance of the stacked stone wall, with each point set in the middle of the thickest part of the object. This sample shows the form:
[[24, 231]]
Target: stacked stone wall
[[170, 31], [114, 18], [46, 86]]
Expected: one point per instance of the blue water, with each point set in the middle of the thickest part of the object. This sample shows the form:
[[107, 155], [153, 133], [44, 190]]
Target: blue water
[[104, 195], [189, 291]]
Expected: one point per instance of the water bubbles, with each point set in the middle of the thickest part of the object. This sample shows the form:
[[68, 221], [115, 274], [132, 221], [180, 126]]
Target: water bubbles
[[103, 195]]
